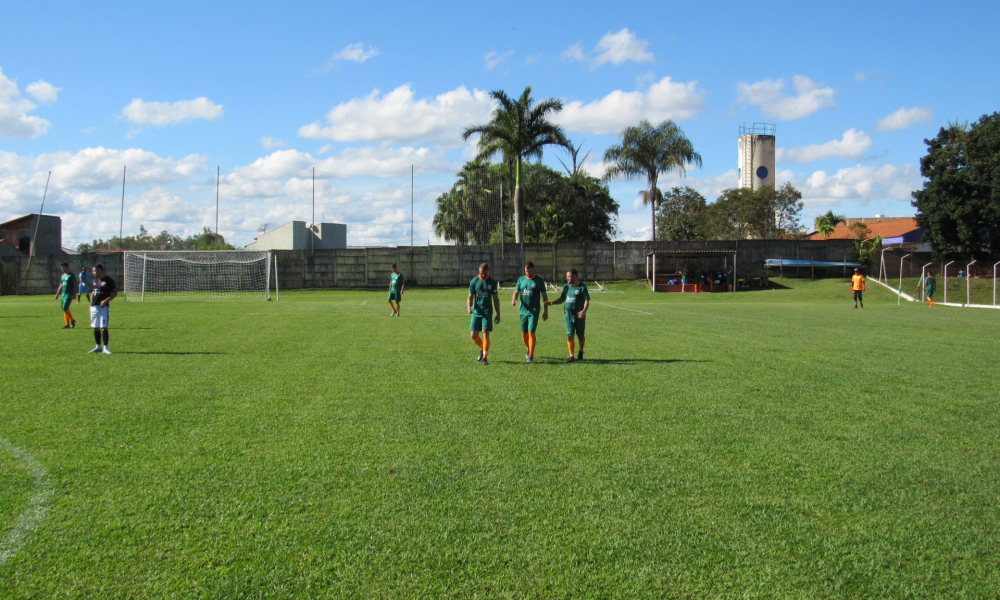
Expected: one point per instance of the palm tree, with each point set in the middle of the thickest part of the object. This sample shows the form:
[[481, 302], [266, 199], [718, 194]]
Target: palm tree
[[825, 224], [647, 151], [518, 131]]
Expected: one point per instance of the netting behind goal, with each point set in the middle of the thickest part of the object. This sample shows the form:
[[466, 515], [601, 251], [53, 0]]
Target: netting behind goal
[[205, 275]]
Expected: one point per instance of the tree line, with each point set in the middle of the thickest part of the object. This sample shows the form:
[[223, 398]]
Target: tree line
[[545, 205], [206, 240]]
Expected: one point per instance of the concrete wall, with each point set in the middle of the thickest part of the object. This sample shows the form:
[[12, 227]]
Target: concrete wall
[[456, 265]]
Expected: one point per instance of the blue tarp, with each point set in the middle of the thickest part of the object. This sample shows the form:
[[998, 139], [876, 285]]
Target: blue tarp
[[786, 262]]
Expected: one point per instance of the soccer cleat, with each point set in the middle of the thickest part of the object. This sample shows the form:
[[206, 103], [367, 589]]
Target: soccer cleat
[[106, 351], [579, 355], [66, 327], [393, 314], [531, 360], [480, 359], [485, 362], [95, 350], [570, 359], [72, 325]]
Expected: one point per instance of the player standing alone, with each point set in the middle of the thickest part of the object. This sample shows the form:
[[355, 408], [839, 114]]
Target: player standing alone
[[858, 286], [396, 285], [483, 291], [83, 280], [103, 292], [528, 287], [65, 293], [577, 300], [929, 285]]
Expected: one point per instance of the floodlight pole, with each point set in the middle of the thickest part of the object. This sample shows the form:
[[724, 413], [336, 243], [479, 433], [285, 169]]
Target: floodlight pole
[[946, 282], [968, 284], [121, 219], [899, 296], [995, 284], [921, 286], [218, 170]]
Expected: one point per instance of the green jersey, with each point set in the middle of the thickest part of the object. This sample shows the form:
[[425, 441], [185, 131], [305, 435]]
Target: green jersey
[[68, 281], [530, 294], [482, 291], [396, 279], [574, 296]]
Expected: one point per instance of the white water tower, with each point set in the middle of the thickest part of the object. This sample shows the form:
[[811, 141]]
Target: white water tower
[[756, 156]]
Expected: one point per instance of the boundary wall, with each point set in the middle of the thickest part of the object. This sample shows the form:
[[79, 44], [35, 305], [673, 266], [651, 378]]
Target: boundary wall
[[455, 265]]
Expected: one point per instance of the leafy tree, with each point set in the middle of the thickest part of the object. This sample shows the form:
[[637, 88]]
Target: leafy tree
[[518, 131], [681, 216], [864, 247], [206, 240], [743, 213], [827, 223], [647, 151], [466, 213], [959, 205]]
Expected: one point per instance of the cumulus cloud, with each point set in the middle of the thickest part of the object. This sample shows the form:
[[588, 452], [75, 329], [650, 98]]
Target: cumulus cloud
[[532, 59], [396, 116], [350, 162], [162, 114], [769, 96], [355, 53], [270, 143], [904, 118], [616, 48], [852, 145], [15, 122], [860, 183], [43, 91], [665, 99], [495, 58]]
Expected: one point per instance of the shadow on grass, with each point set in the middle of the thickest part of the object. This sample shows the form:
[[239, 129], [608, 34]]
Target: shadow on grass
[[21, 317], [179, 353], [606, 361]]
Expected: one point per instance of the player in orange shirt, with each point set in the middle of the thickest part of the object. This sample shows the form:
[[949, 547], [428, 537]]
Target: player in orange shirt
[[858, 286]]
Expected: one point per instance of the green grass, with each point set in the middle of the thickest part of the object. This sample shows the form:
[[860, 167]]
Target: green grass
[[768, 444], [958, 292]]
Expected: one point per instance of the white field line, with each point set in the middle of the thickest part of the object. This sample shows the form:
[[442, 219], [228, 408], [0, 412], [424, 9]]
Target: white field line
[[955, 304], [363, 303], [37, 508], [895, 291], [621, 308]]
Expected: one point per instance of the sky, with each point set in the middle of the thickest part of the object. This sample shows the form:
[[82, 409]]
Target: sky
[[267, 90]]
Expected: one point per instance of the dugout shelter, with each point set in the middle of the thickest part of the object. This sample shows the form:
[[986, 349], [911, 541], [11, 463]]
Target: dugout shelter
[[658, 262]]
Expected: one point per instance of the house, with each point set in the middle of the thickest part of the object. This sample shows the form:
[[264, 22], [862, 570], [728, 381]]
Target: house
[[295, 235], [894, 230], [40, 235]]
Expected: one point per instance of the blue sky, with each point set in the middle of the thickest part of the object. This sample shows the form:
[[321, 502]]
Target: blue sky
[[175, 90]]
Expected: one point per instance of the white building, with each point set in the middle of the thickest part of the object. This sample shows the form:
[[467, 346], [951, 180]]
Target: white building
[[756, 156], [295, 235]]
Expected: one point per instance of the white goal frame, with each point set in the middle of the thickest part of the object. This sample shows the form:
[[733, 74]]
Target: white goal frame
[[202, 275]]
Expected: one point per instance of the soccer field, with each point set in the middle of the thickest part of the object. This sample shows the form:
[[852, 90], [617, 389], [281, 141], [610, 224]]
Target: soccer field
[[768, 444]]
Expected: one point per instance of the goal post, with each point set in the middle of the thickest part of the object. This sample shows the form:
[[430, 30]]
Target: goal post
[[154, 275]]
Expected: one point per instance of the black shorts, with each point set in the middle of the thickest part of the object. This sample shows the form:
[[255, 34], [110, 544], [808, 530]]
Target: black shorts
[[857, 295]]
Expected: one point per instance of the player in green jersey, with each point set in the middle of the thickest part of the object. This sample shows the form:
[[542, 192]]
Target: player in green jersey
[[528, 289], [481, 302], [577, 301], [65, 294], [396, 285]]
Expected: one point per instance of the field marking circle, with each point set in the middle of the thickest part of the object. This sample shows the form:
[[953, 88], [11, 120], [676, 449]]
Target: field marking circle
[[38, 506]]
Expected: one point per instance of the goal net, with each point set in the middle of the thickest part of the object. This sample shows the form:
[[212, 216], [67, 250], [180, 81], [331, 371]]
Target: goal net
[[202, 275]]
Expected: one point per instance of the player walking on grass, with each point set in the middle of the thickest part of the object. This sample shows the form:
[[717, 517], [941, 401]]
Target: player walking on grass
[[528, 287], [577, 301], [83, 281], [858, 286], [929, 285], [65, 294], [103, 292], [481, 302], [396, 285]]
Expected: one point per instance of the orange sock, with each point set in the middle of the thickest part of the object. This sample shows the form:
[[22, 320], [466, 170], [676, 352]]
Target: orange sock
[[531, 344], [66, 318], [526, 338], [478, 340], [398, 307], [486, 346], [570, 344]]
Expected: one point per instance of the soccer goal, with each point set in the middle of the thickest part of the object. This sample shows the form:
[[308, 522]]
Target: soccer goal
[[202, 275]]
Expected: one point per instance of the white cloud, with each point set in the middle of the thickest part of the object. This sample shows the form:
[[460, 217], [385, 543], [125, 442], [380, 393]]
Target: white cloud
[[43, 91], [324, 149], [350, 162], [853, 145], [903, 118], [14, 119], [495, 58], [270, 143], [161, 114], [769, 97], [616, 48], [355, 53], [860, 183], [665, 99], [396, 116], [574, 53], [532, 59]]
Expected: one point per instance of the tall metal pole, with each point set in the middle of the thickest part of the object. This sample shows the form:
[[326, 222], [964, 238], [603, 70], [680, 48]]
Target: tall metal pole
[[314, 197], [899, 296], [921, 286], [312, 238], [34, 236], [995, 284], [218, 170], [121, 219], [946, 282], [411, 209], [968, 283]]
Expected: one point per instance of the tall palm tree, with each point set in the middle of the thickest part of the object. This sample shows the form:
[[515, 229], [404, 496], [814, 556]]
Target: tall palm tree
[[518, 131], [647, 151]]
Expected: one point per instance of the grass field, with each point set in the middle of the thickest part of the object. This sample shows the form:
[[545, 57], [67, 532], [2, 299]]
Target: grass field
[[768, 444], [958, 289]]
